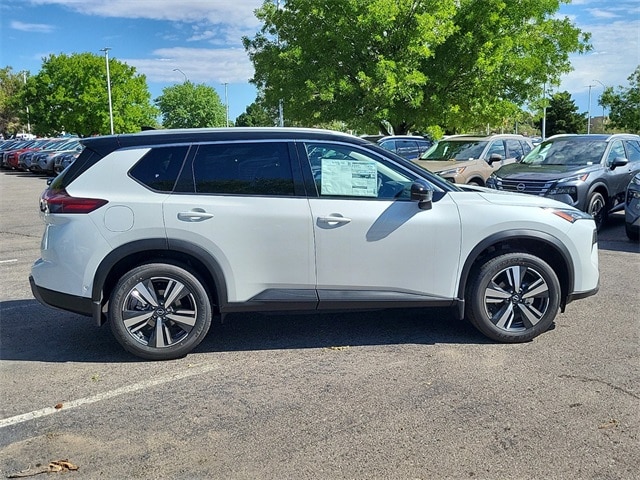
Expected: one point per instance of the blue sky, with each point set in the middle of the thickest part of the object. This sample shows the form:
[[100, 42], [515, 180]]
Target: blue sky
[[202, 38]]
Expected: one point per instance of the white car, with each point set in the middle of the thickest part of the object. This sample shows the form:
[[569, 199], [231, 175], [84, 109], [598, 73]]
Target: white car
[[161, 231]]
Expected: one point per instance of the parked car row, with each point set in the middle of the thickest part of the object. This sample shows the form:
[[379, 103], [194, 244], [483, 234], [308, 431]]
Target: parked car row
[[43, 156], [594, 173]]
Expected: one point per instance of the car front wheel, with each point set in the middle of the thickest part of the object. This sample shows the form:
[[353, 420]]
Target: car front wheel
[[159, 311], [597, 208], [513, 297]]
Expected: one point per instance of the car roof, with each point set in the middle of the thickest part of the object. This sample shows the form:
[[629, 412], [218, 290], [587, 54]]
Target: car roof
[[484, 137], [605, 137]]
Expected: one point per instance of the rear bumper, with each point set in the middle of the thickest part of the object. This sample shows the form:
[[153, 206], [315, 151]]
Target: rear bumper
[[63, 301]]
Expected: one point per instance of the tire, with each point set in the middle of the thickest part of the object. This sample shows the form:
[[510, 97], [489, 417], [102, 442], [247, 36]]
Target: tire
[[513, 297], [597, 208], [632, 234], [148, 327]]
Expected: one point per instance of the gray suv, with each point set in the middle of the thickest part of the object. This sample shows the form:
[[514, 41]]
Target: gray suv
[[589, 172], [160, 232]]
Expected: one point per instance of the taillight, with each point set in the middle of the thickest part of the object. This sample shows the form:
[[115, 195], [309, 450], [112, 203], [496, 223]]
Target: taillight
[[59, 201]]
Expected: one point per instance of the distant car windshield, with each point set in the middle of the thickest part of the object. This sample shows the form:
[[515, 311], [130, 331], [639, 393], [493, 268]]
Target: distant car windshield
[[460, 150], [567, 151]]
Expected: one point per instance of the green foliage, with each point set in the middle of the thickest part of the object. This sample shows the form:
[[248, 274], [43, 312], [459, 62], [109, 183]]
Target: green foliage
[[70, 94], [563, 116], [258, 115], [624, 104], [453, 63], [188, 105], [10, 109]]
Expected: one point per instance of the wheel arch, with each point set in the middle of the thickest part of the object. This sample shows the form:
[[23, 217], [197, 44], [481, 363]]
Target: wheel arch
[[540, 244], [130, 255]]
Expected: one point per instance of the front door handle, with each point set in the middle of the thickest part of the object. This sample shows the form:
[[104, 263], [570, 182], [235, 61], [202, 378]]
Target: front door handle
[[194, 215], [334, 219]]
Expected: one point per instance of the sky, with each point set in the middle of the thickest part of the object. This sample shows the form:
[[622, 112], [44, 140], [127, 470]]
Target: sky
[[170, 41]]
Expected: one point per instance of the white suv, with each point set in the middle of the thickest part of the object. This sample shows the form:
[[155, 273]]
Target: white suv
[[161, 231]]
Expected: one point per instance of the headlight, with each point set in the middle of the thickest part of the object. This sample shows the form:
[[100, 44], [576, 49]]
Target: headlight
[[570, 215], [452, 171], [636, 180], [575, 178]]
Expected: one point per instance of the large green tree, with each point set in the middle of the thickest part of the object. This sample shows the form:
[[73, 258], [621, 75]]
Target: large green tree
[[10, 84], [624, 104], [563, 116], [70, 94], [413, 63], [190, 105]]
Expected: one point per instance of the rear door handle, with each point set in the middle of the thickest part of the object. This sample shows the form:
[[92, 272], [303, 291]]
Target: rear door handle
[[194, 215]]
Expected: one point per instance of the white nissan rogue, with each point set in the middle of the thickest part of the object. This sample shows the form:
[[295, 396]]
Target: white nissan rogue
[[160, 232]]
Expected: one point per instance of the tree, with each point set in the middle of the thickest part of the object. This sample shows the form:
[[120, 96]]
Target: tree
[[188, 105], [10, 84], [258, 115], [624, 104], [453, 63], [70, 94], [563, 116]]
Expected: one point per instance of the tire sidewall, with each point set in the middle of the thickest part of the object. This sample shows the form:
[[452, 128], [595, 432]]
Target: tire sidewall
[[603, 213], [145, 272], [476, 311]]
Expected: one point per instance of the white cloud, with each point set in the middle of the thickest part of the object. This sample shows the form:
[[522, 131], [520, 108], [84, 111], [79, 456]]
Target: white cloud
[[32, 27], [602, 14], [216, 12], [615, 56], [200, 65]]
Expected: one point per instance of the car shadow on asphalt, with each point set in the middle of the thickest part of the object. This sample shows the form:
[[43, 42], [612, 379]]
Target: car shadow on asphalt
[[613, 237], [32, 332]]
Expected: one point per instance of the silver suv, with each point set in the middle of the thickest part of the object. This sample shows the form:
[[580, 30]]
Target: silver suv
[[162, 231]]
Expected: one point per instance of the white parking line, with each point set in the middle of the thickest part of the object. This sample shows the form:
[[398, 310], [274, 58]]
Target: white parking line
[[190, 372], [13, 260]]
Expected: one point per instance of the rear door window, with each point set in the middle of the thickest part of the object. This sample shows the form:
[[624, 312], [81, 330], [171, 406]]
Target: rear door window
[[261, 168]]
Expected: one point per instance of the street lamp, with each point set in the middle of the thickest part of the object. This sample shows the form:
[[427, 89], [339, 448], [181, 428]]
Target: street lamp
[[185, 75], [603, 89], [226, 102], [24, 78], [589, 111], [106, 59]]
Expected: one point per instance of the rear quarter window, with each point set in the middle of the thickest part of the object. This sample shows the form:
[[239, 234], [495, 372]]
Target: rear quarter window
[[160, 168]]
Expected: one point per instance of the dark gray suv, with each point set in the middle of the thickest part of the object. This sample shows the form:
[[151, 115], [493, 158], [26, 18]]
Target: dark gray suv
[[589, 172]]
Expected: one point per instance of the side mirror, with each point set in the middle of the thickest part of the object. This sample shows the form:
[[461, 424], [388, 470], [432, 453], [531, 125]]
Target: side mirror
[[619, 162], [495, 157], [422, 193]]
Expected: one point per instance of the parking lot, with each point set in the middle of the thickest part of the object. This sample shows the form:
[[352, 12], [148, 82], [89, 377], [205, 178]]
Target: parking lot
[[375, 395]]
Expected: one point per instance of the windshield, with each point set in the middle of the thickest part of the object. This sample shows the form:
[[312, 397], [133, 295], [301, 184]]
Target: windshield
[[567, 151], [460, 150]]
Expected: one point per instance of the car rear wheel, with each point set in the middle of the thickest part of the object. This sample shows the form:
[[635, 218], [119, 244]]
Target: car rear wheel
[[597, 208], [513, 297], [159, 311]]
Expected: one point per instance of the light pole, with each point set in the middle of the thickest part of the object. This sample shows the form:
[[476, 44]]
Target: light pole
[[603, 89], [185, 75], [589, 111], [24, 78], [226, 102], [106, 59]]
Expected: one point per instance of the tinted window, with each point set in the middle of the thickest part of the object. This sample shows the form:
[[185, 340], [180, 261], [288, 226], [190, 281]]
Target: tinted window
[[243, 168], [617, 150], [496, 147], [515, 149], [160, 167], [343, 171], [455, 150], [407, 148], [567, 151], [633, 150]]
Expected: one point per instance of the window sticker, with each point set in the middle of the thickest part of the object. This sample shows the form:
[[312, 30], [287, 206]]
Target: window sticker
[[349, 177]]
